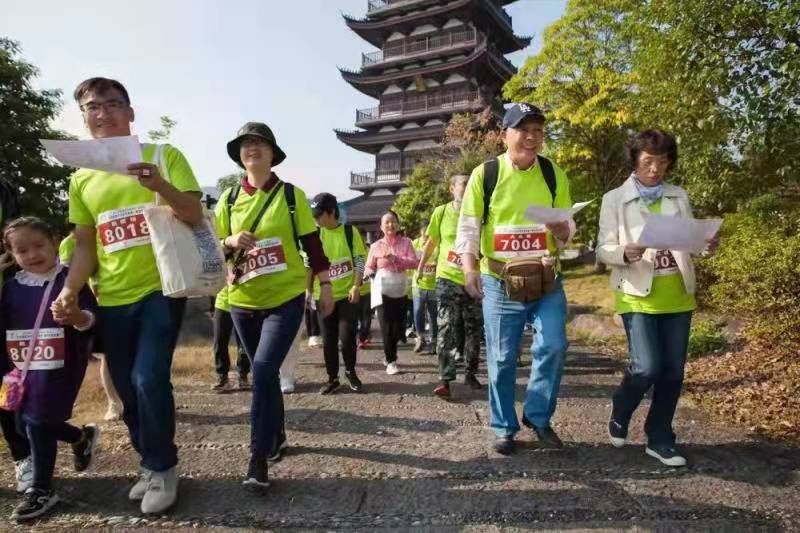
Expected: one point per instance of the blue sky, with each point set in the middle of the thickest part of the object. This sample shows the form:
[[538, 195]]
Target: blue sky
[[212, 65]]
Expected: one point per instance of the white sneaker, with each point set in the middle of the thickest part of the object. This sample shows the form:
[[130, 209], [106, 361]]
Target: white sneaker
[[139, 488], [314, 341], [392, 369], [287, 385], [162, 491], [23, 471]]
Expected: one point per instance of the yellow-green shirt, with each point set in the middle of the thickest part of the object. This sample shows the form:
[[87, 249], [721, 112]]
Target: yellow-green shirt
[[113, 204], [443, 228], [274, 272], [66, 248], [428, 280], [334, 243], [668, 294], [508, 233]]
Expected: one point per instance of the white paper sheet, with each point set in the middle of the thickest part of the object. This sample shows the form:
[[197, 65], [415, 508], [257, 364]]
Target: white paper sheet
[[667, 232], [113, 154], [550, 215]]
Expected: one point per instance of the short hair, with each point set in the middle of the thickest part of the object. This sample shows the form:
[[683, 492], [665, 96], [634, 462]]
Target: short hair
[[456, 177], [100, 85], [391, 212], [654, 141], [34, 223]]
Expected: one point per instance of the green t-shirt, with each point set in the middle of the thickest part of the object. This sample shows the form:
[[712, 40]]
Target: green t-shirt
[[66, 248], [667, 294], [274, 272], [221, 301], [443, 228], [428, 280], [334, 243], [114, 205], [508, 233]]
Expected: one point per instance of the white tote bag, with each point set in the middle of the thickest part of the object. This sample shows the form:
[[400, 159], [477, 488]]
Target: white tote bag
[[189, 258]]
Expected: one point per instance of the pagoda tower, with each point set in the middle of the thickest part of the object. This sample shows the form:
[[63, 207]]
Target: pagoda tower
[[434, 58]]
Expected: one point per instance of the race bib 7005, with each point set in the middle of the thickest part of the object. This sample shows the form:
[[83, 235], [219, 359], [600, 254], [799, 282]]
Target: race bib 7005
[[267, 257]]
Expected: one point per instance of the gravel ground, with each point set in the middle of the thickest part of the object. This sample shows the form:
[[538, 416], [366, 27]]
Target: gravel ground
[[396, 457]]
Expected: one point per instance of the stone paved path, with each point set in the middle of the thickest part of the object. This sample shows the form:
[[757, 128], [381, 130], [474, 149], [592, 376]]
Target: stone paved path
[[398, 458]]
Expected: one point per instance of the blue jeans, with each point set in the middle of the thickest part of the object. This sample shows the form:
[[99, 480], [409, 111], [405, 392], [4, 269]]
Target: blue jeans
[[267, 335], [657, 346], [504, 320], [425, 302], [139, 340]]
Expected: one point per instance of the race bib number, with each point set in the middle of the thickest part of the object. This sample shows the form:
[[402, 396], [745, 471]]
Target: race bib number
[[665, 263], [124, 228], [267, 257], [429, 270], [454, 260], [519, 241], [340, 269], [48, 354]]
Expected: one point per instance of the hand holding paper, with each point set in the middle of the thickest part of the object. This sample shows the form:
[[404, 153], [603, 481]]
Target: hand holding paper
[[551, 215], [113, 154], [666, 232]]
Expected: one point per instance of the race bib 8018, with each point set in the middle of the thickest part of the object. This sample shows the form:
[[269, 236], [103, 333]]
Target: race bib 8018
[[120, 229]]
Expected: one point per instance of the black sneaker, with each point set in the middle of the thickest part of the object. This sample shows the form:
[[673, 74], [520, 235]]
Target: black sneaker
[[473, 382], [35, 503], [666, 453], [330, 387], [84, 449], [257, 472], [617, 433], [222, 385], [353, 382], [277, 455], [504, 445], [548, 437]]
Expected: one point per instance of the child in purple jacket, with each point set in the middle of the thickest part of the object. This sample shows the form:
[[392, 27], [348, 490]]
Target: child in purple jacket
[[59, 358]]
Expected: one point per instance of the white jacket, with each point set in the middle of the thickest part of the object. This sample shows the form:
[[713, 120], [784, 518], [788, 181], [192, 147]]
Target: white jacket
[[621, 222]]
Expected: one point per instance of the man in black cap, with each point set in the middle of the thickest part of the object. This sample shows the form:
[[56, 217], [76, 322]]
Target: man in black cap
[[347, 254], [493, 226]]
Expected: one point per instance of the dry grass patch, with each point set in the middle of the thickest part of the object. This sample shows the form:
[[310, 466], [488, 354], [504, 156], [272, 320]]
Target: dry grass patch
[[585, 287]]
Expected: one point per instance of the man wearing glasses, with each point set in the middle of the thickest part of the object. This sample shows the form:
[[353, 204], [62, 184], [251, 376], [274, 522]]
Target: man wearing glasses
[[138, 324]]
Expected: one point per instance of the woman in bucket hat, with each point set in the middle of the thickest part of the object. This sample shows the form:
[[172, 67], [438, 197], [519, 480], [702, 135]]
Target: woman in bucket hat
[[263, 223]]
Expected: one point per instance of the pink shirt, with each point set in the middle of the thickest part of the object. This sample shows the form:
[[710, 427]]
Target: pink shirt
[[401, 247]]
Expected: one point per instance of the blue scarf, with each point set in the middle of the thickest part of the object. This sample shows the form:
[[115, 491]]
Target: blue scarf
[[649, 195]]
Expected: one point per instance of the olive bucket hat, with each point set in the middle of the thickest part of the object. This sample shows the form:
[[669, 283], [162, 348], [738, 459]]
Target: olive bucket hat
[[262, 131]]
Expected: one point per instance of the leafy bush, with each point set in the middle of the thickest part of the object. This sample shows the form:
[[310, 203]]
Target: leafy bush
[[705, 337], [756, 272]]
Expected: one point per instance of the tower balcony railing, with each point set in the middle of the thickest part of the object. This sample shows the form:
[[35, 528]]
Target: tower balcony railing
[[413, 47], [419, 106], [386, 177]]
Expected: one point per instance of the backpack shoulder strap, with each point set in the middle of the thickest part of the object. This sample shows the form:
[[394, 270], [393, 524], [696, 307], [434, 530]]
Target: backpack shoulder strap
[[348, 235], [491, 169], [291, 202], [233, 194], [549, 174]]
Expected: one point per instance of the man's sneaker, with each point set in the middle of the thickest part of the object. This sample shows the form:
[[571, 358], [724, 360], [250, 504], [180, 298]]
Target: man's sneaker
[[314, 341], [504, 445], [353, 381], [617, 433], [548, 437], [442, 390], [36, 502], [287, 385], [391, 369], [410, 334], [473, 382], [222, 385], [330, 387], [278, 454], [23, 472], [84, 449], [139, 488], [243, 383], [419, 344], [162, 491], [257, 473], [667, 454]]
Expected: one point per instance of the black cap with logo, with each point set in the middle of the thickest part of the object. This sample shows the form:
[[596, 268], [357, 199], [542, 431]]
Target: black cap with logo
[[519, 112]]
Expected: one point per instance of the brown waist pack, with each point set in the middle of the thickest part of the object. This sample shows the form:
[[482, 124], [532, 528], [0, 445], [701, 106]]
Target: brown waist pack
[[527, 280]]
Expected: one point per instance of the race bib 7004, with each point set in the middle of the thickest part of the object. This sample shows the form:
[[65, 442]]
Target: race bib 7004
[[520, 241]]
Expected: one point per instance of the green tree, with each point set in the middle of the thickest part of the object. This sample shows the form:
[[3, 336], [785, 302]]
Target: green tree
[[26, 115], [424, 190], [163, 134], [229, 180]]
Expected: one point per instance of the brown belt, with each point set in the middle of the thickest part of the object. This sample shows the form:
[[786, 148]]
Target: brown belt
[[496, 266]]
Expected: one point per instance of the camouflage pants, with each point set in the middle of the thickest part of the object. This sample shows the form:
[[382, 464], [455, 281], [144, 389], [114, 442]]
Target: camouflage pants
[[457, 311]]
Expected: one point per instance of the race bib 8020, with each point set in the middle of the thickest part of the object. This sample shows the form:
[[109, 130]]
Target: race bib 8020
[[48, 354]]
